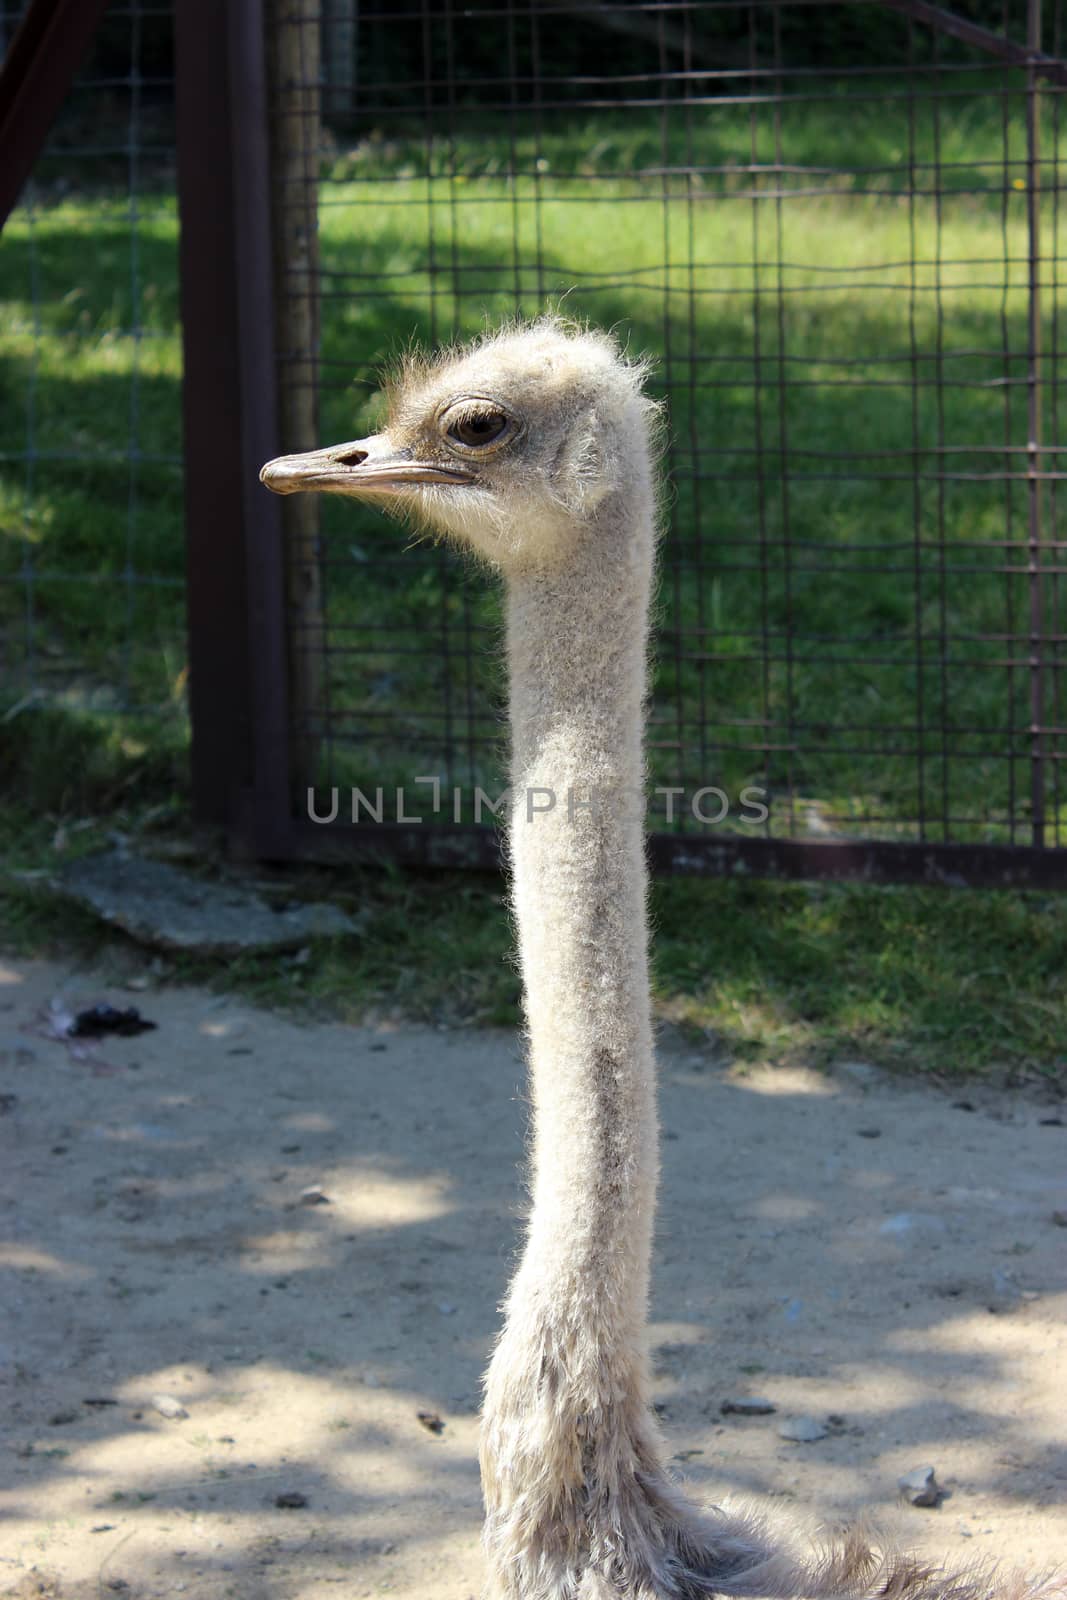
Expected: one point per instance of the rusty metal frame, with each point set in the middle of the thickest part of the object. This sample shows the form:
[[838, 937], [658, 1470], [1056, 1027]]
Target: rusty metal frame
[[1029, 55], [433, 844], [1038, 67], [235, 556], [445, 845], [45, 52]]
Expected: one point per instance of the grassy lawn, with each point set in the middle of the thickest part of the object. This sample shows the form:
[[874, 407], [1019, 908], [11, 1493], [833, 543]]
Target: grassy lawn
[[821, 634], [848, 636], [950, 983]]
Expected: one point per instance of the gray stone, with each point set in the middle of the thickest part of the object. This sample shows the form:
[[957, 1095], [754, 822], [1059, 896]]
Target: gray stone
[[920, 1487], [802, 1430], [862, 1073], [912, 1223], [167, 1406], [15, 1051], [169, 910]]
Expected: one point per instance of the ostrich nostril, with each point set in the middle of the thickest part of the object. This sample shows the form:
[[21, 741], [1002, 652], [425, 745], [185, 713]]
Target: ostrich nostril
[[353, 458]]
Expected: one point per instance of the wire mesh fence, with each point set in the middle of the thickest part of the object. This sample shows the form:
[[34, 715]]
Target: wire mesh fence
[[92, 579], [834, 224], [837, 229]]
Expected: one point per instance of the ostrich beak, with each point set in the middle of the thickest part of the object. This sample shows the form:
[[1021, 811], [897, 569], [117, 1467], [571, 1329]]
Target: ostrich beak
[[365, 466]]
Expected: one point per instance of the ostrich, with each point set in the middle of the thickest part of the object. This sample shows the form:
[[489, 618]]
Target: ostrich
[[534, 447]]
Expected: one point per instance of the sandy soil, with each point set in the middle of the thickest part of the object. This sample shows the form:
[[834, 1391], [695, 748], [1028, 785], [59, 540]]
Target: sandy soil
[[844, 1248]]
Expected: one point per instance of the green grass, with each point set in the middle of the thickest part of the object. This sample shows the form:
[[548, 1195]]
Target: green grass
[[949, 983], [85, 394], [945, 981], [879, 697], [879, 576]]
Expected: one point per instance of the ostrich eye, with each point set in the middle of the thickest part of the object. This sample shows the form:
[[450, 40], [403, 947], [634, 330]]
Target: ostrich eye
[[479, 428]]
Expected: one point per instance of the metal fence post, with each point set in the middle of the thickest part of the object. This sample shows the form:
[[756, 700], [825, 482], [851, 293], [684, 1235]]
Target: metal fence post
[[1034, 430], [293, 69]]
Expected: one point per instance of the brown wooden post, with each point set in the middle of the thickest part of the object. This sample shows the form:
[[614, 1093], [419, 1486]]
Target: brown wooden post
[[236, 597], [294, 65]]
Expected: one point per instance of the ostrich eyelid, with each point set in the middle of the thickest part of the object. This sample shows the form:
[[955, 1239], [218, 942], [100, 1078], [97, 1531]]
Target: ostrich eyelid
[[453, 413]]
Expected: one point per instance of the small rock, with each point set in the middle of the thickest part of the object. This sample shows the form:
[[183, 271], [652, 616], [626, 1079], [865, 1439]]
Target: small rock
[[314, 1195], [291, 1500], [160, 906], [1059, 1218], [1005, 1289], [168, 1406], [802, 1430], [431, 1421], [869, 1133], [912, 1222], [446, 1309], [14, 1051], [59, 1419], [103, 1527], [747, 1406], [920, 1487], [8, 1102], [861, 1072]]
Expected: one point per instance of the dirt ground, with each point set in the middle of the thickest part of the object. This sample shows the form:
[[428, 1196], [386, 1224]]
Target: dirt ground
[[891, 1257]]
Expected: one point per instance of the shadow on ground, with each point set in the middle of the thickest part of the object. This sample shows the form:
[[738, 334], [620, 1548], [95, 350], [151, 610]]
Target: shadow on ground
[[847, 1248]]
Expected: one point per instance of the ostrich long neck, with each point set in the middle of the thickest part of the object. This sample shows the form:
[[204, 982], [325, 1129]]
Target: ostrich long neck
[[577, 642]]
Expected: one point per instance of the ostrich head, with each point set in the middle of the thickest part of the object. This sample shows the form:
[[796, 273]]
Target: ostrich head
[[512, 446]]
